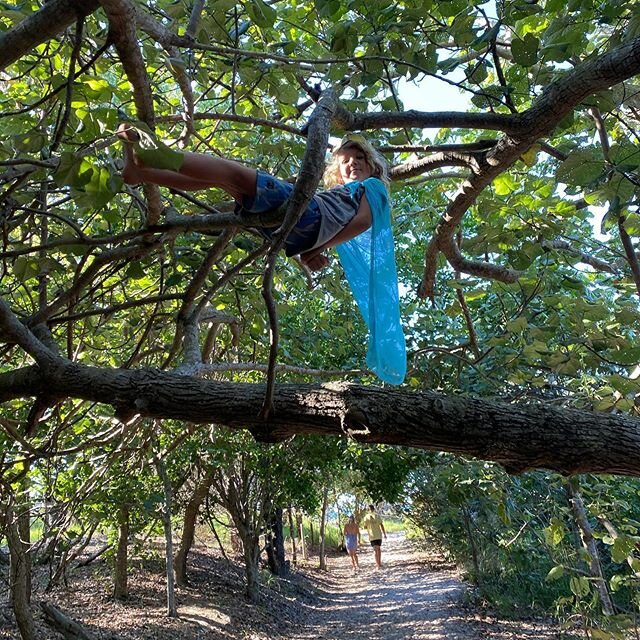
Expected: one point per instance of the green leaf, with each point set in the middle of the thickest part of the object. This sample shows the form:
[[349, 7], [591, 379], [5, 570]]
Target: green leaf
[[504, 184], [26, 268], [174, 278], [581, 169], [622, 546], [556, 573], [579, 586], [67, 170], [518, 325], [261, 13], [525, 50], [554, 533], [135, 271], [486, 37]]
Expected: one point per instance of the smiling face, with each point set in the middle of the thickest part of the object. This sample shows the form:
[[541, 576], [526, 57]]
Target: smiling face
[[353, 165]]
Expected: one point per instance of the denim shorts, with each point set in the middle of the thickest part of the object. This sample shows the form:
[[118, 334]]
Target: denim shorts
[[271, 193]]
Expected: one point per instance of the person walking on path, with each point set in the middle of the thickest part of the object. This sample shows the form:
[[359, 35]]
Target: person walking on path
[[351, 532], [375, 528]]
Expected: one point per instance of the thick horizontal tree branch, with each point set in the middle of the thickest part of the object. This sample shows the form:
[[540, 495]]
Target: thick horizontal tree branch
[[518, 437], [419, 166], [46, 23]]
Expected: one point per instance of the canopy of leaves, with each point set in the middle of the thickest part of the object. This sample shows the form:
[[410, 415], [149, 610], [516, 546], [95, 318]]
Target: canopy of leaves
[[524, 202]]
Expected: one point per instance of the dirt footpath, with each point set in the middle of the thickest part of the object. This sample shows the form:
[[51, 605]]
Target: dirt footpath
[[406, 599], [416, 595]]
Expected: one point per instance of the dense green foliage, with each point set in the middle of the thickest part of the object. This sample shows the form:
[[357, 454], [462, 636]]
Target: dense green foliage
[[520, 544], [85, 270]]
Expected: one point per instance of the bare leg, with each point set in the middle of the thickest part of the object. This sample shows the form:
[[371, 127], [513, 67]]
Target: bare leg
[[378, 555], [198, 171]]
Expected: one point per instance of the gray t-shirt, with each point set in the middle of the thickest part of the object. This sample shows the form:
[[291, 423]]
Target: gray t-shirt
[[338, 206]]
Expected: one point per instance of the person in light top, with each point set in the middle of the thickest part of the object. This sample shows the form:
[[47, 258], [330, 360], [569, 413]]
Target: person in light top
[[375, 528], [332, 216]]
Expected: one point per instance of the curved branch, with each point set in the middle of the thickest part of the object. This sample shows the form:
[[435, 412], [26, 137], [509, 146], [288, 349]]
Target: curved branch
[[12, 330], [122, 29], [480, 269], [162, 35], [555, 103], [417, 167]]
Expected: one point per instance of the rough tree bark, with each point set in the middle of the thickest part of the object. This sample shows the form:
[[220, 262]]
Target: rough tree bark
[[120, 578], [188, 529], [20, 574], [519, 437]]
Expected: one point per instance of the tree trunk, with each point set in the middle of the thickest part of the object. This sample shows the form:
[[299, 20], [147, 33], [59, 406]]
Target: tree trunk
[[188, 529], [588, 542], [19, 572], [120, 579], [172, 610], [292, 534], [323, 519], [474, 549], [23, 518], [251, 544], [275, 545]]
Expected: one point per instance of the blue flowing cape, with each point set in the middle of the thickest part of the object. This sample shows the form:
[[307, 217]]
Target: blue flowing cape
[[369, 263]]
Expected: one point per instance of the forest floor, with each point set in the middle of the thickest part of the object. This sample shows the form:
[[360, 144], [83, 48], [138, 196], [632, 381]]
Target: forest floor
[[416, 595]]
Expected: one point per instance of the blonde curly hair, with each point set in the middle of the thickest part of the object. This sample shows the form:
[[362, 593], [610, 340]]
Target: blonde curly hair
[[378, 164]]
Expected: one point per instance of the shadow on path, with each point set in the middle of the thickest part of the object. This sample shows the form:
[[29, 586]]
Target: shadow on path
[[405, 600], [401, 600]]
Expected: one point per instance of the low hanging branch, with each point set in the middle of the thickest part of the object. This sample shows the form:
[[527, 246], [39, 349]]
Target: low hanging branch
[[518, 437]]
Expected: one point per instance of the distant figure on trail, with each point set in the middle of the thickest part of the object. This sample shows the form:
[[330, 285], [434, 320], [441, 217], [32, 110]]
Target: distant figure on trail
[[351, 533], [375, 528], [353, 214]]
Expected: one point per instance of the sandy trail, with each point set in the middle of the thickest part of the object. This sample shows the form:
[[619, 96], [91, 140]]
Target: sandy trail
[[402, 600]]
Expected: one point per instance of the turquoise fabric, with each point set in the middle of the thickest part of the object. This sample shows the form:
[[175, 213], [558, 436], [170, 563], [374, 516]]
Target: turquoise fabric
[[370, 266]]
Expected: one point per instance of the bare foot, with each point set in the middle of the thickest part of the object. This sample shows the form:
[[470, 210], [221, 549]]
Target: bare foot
[[129, 136]]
